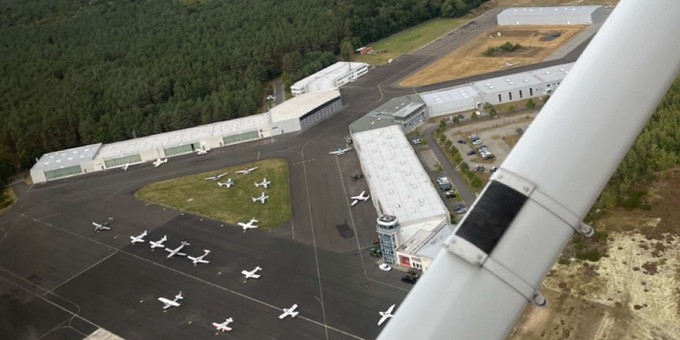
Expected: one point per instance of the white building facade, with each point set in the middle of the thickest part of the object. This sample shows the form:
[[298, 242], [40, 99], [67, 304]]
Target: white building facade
[[331, 77], [545, 16]]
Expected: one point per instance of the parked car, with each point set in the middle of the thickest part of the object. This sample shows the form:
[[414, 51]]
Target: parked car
[[376, 252], [409, 279], [477, 142], [385, 267], [461, 141], [357, 176], [462, 210], [417, 140], [493, 169], [450, 194]]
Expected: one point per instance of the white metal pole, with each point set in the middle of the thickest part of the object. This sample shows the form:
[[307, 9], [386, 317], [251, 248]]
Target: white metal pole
[[481, 281]]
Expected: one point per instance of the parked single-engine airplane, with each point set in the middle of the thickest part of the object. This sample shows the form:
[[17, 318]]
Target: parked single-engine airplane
[[359, 197], [138, 238], [228, 183], [289, 312], [222, 327], [215, 177], [385, 315], [265, 183], [125, 167], [251, 274], [200, 259], [249, 225], [261, 198], [340, 151], [177, 250], [171, 303], [246, 171], [102, 226], [201, 151], [159, 243], [159, 161]]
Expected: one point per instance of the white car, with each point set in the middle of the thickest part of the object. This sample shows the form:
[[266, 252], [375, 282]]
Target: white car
[[477, 142], [385, 267]]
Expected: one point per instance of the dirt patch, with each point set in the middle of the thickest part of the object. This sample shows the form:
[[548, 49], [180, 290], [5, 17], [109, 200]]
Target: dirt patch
[[632, 293], [469, 59]]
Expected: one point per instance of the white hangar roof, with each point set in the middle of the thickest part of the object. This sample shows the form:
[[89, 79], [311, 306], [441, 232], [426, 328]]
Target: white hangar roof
[[449, 95], [183, 137], [543, 11], [397, 180], [334, 71], [299, 106], [523, 79], [67, 158]]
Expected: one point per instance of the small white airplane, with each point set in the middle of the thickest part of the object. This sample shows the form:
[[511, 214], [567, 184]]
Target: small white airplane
[[228, 183], [159, 161], [102, 226], [201, 151], [251, 274], [249, 225], [215, 177], [177, 250], [246, 171], [159, 243], [125, 167], [139, 238], [340, 151], [359, 197], [261, 198], [289, 312], [385, 315], [265, 183], [200, 259], [222, 327], [171, 303]]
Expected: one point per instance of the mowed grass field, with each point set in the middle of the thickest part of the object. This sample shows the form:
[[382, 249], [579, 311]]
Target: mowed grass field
[[409, 40], [198, 196]]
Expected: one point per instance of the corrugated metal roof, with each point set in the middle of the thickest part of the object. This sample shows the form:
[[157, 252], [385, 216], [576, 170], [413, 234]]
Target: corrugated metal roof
[[334, 71], [396, 178], [299, 106], [66, 158]]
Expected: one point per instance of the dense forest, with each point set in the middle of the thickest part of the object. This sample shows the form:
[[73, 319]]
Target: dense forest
[[79, 72]]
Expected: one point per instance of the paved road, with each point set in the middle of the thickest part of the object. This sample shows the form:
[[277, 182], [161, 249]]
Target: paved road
[[465, 194]]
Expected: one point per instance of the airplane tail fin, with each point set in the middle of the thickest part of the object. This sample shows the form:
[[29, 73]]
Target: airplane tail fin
[[258, 268]]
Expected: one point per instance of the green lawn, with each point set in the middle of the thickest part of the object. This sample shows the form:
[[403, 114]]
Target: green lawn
[[409, 40], [198, 196]]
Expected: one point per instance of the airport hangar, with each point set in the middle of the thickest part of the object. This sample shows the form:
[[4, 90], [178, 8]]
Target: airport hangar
[[332, 76], [564, 15], [413, 221], [296, 114]]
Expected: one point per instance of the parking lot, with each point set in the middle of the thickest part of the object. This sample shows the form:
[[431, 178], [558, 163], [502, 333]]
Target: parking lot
[[498, 135]]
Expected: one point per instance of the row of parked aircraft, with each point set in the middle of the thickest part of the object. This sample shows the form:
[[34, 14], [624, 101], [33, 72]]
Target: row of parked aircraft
[[158, 162]]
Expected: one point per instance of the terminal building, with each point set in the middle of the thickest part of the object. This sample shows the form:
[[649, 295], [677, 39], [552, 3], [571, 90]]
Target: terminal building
[[331, 77], [545, 16], [294, 115], [407, 202]]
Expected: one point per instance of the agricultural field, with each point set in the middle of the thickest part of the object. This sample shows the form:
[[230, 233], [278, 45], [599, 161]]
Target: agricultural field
[[194, 194]]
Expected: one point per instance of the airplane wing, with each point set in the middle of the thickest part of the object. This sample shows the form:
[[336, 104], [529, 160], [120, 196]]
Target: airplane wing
[[384, 317], [354, 202], [282, 316], [389, 310], [245, 273]]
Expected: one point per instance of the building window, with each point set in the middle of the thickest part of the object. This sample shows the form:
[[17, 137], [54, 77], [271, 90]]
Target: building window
[[499, 98], [510, 96], [520, 94], [531, 92], [548, 85]]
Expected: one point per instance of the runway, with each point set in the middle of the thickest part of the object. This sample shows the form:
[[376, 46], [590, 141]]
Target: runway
[[61, 279]]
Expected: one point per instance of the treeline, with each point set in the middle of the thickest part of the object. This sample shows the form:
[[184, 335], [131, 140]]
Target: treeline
[[80, 72], [657, 148]]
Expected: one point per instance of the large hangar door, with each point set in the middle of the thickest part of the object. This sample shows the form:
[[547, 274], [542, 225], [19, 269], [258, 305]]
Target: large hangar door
[[110, 163], [178, 150], [72, 170]]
